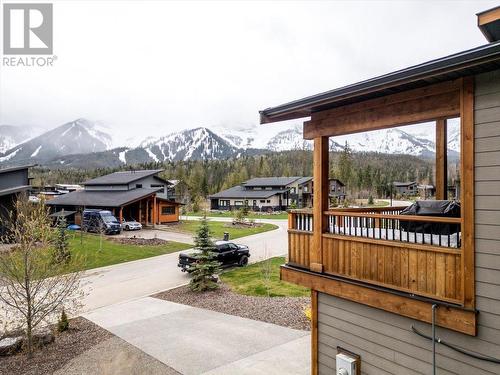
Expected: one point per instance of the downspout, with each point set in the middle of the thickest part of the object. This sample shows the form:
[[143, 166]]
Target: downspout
[[434, 308]]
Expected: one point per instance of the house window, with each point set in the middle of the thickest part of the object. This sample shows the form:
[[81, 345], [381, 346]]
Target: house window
[[168, 210], [138, 186], [293, 190], [268, 201], [156, 186], [238, 203], [262, 201]]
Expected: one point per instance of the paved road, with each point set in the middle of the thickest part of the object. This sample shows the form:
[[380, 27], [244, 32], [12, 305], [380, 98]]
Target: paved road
[[170, 333], [125, 281]]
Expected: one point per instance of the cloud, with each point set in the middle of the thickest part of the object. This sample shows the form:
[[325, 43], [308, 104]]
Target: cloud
[[153, 67]]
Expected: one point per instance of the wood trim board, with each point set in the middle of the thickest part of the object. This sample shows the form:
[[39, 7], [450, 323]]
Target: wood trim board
[[447, 316]]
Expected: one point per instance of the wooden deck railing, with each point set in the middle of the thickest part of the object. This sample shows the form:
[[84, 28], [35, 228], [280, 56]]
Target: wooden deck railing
[[416, 254]]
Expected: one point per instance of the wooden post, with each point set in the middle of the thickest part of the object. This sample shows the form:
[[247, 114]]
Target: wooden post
[[291, 220], [155, 211], [467, 188], [140, 212], [121, 215], [320, 204], [147, 211], [441, 160]]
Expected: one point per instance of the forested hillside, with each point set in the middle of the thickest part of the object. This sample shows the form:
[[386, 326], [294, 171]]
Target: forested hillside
[[363, 173]]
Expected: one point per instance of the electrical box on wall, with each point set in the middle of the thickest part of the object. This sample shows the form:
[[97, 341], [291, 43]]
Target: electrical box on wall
[[347, 363]]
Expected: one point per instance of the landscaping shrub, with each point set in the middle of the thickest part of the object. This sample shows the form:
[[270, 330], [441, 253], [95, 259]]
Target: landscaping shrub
[[63, 323]]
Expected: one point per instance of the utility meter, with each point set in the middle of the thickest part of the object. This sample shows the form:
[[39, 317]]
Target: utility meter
[[345, 365]]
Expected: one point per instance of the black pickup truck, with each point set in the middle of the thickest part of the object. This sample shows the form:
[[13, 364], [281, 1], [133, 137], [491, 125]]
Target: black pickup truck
[[227, 253]]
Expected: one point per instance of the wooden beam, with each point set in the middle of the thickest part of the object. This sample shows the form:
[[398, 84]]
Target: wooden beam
[[314, 332], [488, 16], [441, 159], [453, 318], [357, 117], [320, 204], [467, 188], [147, 211], [121, 215]]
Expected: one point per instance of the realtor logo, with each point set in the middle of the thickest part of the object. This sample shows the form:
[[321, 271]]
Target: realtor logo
[[27, 29]]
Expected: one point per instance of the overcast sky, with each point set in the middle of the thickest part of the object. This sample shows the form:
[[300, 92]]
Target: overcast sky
[[150, 68]]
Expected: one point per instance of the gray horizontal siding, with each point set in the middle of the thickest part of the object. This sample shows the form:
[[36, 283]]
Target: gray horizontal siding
[[384, 340]]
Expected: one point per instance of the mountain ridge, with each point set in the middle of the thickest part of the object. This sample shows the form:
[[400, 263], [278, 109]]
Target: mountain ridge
[[76, 143]]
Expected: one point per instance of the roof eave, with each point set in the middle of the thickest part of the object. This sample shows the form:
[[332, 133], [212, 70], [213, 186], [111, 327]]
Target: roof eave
[[304, 107]]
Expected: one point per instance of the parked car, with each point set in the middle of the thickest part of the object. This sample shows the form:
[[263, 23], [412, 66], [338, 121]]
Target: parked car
[[100, 220], [227, 253], [131, 225]]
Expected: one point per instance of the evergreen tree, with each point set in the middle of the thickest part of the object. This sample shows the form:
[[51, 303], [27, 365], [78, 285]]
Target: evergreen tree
[[61, 250], [206, 268]]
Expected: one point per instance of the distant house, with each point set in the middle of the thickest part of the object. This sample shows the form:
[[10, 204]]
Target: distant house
[[406, 188], [141, 195], [426, 191], [13, 182], [265, 194], [336, 189]]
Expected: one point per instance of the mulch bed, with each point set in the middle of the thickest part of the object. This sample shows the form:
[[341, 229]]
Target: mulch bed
[[81, 336], [137, 241], [284, 311]]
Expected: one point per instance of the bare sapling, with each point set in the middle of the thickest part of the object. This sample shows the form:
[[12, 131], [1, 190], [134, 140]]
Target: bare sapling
[[35, 289]]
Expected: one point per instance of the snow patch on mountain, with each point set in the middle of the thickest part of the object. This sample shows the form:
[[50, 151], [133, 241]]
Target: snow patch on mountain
[[76, 137]]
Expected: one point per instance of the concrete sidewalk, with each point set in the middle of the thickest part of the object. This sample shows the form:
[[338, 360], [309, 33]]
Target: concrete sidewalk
[[197, 341]]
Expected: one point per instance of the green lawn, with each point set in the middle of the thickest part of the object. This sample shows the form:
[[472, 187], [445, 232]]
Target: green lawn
[[217, 228], [251, 281], [251, 215], [89, 256]]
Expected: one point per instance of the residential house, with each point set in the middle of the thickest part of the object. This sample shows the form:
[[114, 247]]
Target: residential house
[[426, 191], [336, 189], [13, 182], [405, 188], [265, 194], [390, 292], [141, 195]]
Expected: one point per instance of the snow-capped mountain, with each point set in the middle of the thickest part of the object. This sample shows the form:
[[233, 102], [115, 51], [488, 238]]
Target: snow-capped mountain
[[199, 143], [11, 136], [85, 144], [76, 137], [410, 141]]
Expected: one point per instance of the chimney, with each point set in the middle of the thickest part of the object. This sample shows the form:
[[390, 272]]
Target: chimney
[[489, 24]]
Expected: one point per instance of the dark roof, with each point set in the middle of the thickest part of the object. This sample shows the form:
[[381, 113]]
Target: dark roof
[[270, 181], [239, 192], [477, 60], [303, 180], [123, 177], [338, 181], [167, 198], [99, 198], [13, 190], [13, 169], [404, 183]]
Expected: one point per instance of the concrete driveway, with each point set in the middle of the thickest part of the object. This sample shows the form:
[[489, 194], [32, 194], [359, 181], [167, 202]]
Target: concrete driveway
[[125, 281], [197, 341]]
